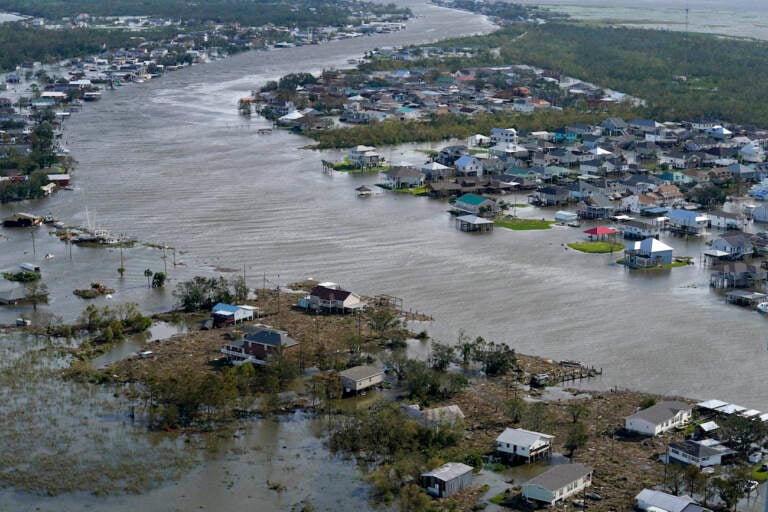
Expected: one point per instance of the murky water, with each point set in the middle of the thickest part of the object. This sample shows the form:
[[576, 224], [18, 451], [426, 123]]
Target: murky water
[[741, 18]]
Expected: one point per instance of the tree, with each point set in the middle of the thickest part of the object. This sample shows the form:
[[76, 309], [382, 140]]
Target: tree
[[729, 489], [577, 409], [740, 433], [148, 274], [577, 437], [442, 356], [695, 480], [158, 280], [36, 293], [382, 320], [538, 418]]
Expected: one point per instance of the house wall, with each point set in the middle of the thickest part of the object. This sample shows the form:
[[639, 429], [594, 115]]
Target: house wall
[[695, 461], [360, 385]]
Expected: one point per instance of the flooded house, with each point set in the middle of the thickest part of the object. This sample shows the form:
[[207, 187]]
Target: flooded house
[[331, 298], [226, 314], [476, 205], [647, 254], [360, 378]]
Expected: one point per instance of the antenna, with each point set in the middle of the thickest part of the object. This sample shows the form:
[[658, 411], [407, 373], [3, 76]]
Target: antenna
[[685, 60]]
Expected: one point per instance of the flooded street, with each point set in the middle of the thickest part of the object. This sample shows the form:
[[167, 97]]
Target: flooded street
[[171, 162]]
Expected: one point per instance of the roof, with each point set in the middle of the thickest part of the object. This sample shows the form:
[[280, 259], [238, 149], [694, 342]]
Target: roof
[[663, 501], [472, 199], [560, 476], [709, 426], [474, 220], [521, 437], [733, 408], [268, 336], [326, 293], [449, 471], [601, 230], [225, 309], [711, 404], [402, 172], [661, 412], [700, 450], [357, 373]]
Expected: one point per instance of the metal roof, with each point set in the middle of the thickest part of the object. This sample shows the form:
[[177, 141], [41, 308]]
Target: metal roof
[[449, 471], [474, 220], [361, 372], [661, 412], [560, 476], [521, 437], [731, 408], [662, 500]]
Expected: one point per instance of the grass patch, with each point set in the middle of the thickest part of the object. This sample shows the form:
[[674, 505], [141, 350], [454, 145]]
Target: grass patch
[[523, 224], [596, 247], [346, 166], [499, 498], [674, 264], [418, 191], [760, 476]]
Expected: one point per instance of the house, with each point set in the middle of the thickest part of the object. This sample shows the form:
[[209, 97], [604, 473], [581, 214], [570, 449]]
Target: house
[[701, 454], [402, 177], [521, 444], [727, 220], [330, 298], [760, 214], [752, 153], [557, 484], [737, 245], [225, 314], [364, 156], [504, 136], [257, 344], [688, 221], [435, 170], [550, 196], [658, 418], [736, 275], [647, 253], [476, 205], [639, 230], [359, 378], [657, 501], [468, 166], [447, 479], [615, 126], [449, 154]]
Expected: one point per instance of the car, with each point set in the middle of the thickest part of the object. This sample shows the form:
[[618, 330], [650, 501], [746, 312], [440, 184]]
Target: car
[[750, 485], [579, 503], [764, 468], [593, 496]]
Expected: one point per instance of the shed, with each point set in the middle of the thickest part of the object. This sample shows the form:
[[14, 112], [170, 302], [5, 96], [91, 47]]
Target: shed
[[473, 223], [358, 378], [448, 479]]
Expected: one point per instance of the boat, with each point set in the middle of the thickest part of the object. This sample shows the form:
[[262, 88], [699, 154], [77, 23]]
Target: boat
[[92, 96], [762, 308], [21, 220], [49, 219], [29, 267], [49, 256], [23, 322]]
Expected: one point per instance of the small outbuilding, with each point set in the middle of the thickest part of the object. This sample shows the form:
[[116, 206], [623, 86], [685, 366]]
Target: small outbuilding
[[448, 479], [359, 378]]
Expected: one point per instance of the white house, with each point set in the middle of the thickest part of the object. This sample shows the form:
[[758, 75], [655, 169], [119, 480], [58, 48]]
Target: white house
[[359, 378], [364, 156], [518, 443], [504, 136], [224, 314], [468, 166], [330, 297], [434, 170], [402, 177], [558, 483], [658, 418], [727, 220], [707, 452], [658, 501], [752, 153], [639, 230]]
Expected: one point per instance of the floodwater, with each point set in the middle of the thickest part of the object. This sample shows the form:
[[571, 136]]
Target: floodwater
[[740, 18], [171, 162]]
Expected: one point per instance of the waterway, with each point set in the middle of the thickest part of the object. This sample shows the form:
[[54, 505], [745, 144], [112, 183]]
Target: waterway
[[739, 18], [170, 161]]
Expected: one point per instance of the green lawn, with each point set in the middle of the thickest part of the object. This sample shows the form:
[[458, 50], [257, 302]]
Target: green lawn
[[760, 476], [418, 191], [523, 224], [674, 264], [345, 166], [596, 247]]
